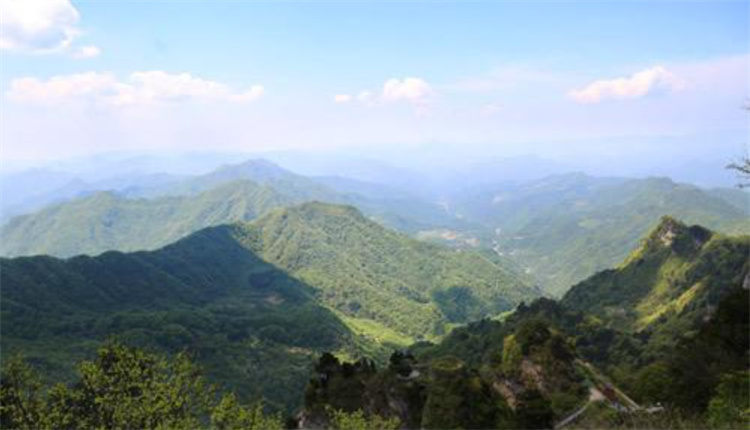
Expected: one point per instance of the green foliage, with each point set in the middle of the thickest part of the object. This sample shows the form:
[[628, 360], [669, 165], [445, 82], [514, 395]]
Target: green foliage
[[534, 411], [357, 420], [652, 382], [21, 405], [229, 414], [457, 398], [123, 388], [730, 407]]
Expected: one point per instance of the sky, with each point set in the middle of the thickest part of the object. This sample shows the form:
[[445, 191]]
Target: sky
[[563, 80]]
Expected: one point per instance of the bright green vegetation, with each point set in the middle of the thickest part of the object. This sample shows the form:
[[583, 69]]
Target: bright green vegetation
[[258, 299], [566, 228], [124, 388], [369, 272]]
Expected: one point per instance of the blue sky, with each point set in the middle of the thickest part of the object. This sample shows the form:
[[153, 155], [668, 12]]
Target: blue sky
[[496, 77]]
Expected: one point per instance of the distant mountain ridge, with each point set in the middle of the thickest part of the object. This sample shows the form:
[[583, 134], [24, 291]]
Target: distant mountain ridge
[[151, 217], [106, 221]]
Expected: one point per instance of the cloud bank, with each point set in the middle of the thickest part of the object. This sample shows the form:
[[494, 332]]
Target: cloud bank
[[415, 91], [140, 88], [650, 81]]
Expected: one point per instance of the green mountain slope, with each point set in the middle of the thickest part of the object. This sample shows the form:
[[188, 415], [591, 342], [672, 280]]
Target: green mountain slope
[[369, 272], [235, 313], [669, 284], [566, 228]]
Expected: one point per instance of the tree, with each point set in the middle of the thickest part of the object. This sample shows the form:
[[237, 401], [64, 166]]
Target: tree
[[742, 167], [743, 171], [20, 400], [123, 387], [229, 414], [730, 408], [357, 420], [534, 411]]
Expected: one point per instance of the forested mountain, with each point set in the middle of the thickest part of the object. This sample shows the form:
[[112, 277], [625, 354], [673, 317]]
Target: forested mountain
[[565, 228], [254, 299], [588, 361], [369, 272], [237, 314]]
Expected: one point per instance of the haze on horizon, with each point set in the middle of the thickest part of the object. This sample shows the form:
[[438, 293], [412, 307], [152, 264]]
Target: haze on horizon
[[628, 89]]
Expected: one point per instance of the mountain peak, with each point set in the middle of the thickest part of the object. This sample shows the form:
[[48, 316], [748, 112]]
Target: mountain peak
[[321, 209], [674, 234], [258, 169]]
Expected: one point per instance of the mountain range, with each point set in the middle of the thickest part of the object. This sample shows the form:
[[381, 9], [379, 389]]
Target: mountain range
[[559, 230], [148, 217], [241, 296]]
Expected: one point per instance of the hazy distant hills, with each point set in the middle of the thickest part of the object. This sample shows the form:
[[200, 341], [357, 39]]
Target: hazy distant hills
[[153, 215], [566, 227], [106, 221], [255, 298]]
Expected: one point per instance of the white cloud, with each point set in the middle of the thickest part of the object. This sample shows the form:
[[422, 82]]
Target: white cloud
[[86, 52], [141, 88], [40, 27], [410, 90], [342, 98], [640, 84]]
